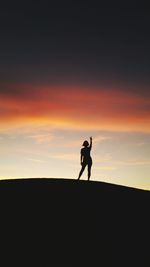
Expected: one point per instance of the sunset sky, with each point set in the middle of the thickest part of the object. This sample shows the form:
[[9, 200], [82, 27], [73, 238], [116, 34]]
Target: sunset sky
[[68, 73]]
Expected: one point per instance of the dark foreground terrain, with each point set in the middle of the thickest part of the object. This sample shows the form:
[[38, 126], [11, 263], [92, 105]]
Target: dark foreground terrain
[[58, 222]]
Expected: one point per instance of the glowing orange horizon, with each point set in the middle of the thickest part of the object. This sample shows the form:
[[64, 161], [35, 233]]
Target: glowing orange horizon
[[76, 107]]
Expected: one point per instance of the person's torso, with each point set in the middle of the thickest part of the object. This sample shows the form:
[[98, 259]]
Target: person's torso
[[86, 153]]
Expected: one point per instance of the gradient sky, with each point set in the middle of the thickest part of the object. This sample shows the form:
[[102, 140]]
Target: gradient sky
[[68, 73]]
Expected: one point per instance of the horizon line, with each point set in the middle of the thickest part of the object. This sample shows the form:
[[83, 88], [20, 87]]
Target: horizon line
[[72, 179]]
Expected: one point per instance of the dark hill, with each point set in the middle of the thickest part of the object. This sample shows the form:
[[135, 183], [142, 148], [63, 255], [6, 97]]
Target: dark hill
[[58, 222]]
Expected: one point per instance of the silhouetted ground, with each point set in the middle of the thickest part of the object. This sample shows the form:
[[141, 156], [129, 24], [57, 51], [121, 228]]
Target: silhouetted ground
[[58, 222]]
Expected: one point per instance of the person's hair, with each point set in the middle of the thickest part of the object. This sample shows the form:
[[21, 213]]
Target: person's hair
[[85, 143]]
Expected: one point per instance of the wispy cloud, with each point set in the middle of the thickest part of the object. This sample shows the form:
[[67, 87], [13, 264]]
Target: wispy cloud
[[100, 138], [107, 157], [115, 163], [140, 144], [42, 138], [67, 156], [106, 168], [36, 160], [131, 162]]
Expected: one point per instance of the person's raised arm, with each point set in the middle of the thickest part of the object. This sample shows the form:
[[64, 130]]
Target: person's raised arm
[[90, 142]]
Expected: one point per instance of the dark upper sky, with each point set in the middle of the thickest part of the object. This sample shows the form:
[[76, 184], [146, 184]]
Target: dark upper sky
[[78, 43]]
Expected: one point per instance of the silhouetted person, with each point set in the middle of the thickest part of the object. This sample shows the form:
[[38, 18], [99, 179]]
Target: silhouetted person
[[86, 159]]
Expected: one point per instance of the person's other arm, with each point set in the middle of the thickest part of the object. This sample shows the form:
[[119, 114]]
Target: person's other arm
[[81, 157]]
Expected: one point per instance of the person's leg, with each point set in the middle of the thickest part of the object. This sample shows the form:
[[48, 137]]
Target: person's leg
[[82, 170], [89, 170]]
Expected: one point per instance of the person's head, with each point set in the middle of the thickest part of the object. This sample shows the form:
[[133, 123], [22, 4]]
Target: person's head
[[85, 143]]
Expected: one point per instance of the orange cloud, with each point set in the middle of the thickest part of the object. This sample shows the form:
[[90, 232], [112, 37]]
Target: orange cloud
[[77, 107]]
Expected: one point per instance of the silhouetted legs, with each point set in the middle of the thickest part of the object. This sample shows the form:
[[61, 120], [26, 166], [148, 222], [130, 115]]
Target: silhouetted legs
[[83, 168], [89, 171]]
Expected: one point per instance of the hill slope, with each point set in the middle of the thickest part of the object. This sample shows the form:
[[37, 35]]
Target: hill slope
[[58, 222]]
